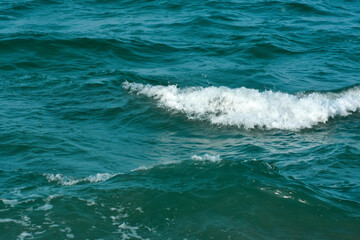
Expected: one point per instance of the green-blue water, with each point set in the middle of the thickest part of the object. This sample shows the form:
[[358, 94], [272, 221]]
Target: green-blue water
[[179, 119]]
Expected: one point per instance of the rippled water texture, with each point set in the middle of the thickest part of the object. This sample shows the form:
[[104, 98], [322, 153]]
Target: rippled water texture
[[179, 119]]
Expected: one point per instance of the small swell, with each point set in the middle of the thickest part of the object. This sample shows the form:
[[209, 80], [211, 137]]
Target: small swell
[[306, 8], [250, 108]]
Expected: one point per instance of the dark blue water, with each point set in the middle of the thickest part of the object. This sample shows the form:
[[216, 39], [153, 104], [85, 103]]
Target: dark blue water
[[179, 119]]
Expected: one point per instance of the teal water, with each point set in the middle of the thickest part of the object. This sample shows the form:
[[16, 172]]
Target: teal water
[[179, 120]]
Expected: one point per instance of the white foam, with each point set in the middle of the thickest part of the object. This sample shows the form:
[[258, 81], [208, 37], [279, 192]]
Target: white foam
[[69, 235], [51, 197], [206, 157], [46, 207], [129, 232], [250, 108], [23, 235], [69, 181], [12, 203], [142, 168]]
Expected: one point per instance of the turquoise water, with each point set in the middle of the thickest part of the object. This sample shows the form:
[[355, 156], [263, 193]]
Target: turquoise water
[[179, 120]]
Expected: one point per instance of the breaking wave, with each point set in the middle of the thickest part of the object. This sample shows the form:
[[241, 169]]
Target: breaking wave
[[250, 108]]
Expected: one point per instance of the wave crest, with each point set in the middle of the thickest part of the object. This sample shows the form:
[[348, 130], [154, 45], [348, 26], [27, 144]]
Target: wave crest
[[250, 108]]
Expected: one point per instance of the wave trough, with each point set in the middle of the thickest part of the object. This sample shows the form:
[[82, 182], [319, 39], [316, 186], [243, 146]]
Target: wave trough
[[250, 108]]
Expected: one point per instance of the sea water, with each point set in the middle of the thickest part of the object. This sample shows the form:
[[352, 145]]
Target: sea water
[[179, 119]]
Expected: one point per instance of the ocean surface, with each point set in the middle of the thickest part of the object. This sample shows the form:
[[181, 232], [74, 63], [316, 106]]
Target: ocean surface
[[179, 119]]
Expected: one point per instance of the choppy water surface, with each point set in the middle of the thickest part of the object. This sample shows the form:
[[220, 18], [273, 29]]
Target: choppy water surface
[[179, 119]]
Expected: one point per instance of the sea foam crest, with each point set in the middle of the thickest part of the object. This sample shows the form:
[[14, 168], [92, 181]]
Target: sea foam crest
[[69, 181], [250, 108], [197, 158]]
